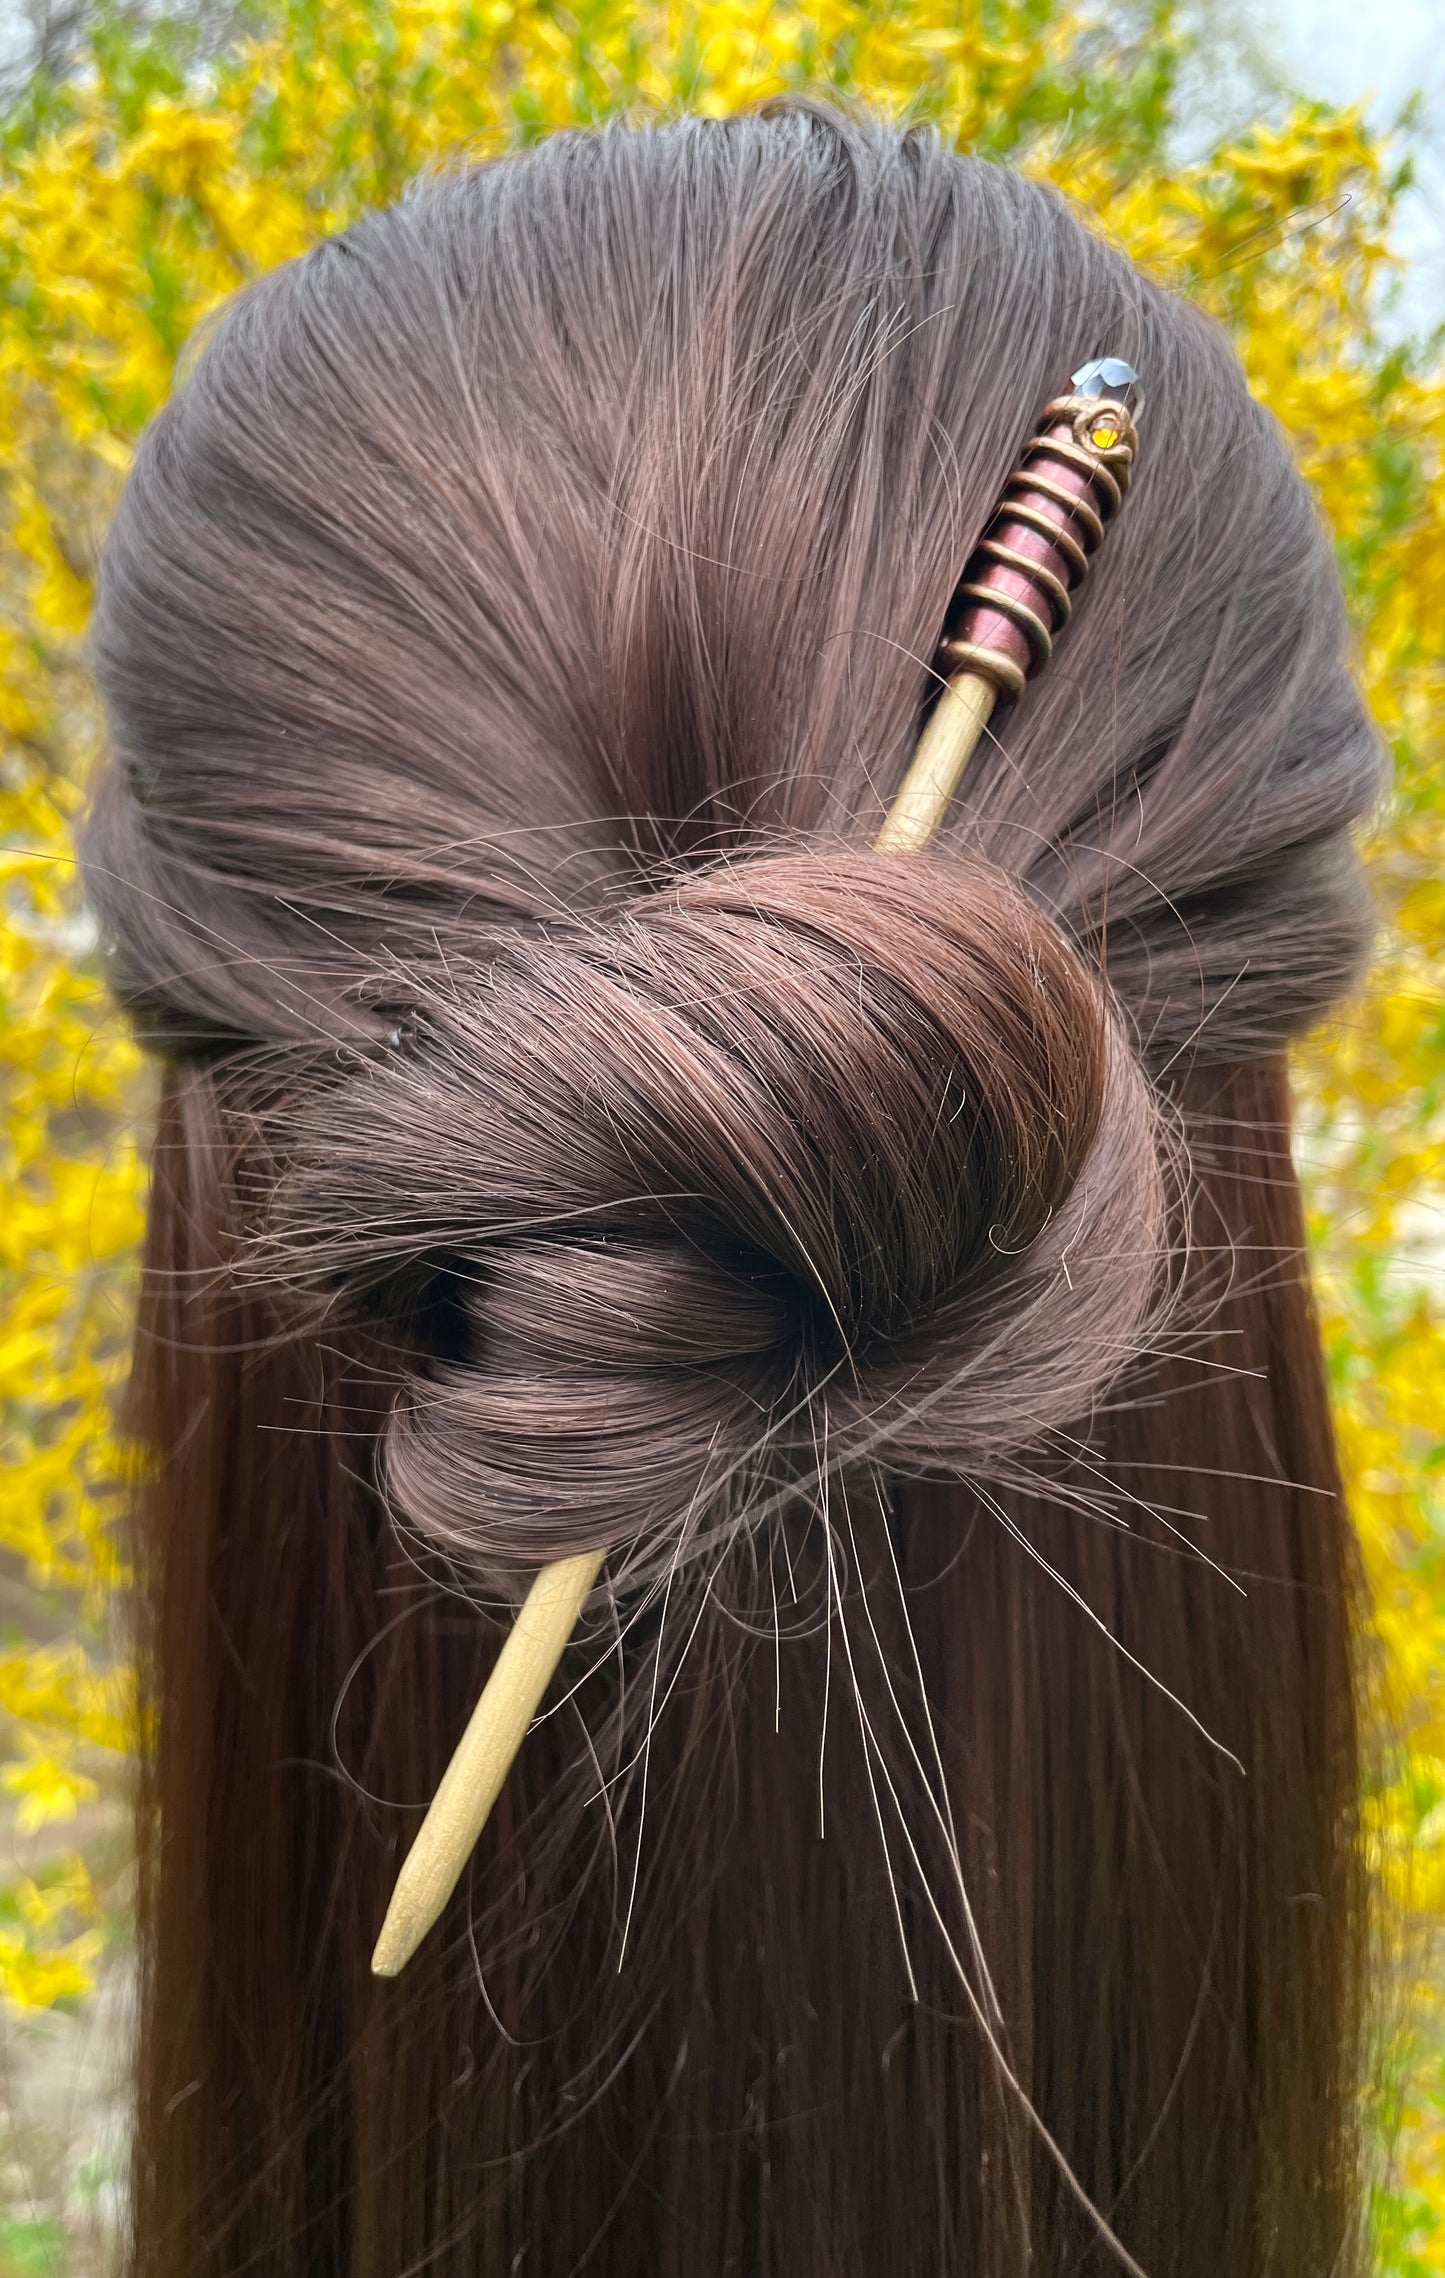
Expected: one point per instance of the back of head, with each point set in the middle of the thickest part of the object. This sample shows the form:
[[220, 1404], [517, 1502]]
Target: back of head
[[574, 1136]]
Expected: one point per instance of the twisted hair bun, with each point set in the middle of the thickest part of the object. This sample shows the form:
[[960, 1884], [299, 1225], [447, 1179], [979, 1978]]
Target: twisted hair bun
[[806, 1160]]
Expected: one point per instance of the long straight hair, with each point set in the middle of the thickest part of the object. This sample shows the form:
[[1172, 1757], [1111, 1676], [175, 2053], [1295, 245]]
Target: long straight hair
[[938, 1853]]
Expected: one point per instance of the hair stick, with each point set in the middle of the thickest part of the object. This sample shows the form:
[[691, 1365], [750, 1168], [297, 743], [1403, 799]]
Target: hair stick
[[1014, 600]]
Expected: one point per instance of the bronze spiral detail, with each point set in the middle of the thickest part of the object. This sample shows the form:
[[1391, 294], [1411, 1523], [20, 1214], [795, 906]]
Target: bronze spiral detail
[[1018, 586]]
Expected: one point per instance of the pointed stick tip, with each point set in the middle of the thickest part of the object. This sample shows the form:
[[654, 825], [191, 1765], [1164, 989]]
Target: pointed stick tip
[[394, 1948]]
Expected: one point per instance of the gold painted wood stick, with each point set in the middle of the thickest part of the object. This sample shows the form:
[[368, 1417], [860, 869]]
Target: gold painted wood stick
[[484, 1755], [945, 748], [1015, 598]]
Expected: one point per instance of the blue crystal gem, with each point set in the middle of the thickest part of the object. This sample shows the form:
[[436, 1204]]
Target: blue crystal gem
[[1104, 376]]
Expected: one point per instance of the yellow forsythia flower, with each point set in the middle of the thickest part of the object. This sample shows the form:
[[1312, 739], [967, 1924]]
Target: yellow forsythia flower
[[47, 1787]]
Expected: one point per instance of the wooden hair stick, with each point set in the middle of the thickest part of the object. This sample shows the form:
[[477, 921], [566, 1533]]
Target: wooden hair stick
[[1014, 599]]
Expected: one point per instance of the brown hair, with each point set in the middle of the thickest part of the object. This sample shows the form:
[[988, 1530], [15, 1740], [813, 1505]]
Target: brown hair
[[939, 1852]]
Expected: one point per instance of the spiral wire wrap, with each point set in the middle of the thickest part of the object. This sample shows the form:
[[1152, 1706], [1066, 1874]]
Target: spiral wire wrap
[[1018, 587]]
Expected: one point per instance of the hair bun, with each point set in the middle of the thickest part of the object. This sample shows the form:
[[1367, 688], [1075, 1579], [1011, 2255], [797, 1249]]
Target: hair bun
[[833, 1151]]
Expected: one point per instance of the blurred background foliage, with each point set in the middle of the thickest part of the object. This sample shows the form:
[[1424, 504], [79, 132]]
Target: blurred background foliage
[[154, 159]]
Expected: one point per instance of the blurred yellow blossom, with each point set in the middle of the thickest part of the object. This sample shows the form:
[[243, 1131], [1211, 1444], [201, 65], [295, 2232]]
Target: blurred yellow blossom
[[47, 1789]]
